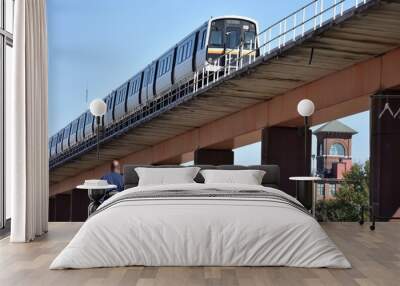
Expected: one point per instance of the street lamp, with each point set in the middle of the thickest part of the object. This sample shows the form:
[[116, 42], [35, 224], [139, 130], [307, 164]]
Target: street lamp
[[98, 108], [305, 108]]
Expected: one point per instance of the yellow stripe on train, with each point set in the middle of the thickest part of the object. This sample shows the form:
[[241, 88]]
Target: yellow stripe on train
[[220, 51]]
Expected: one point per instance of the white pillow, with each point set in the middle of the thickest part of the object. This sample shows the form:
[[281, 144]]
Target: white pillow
[[165, 176], [247, 177]]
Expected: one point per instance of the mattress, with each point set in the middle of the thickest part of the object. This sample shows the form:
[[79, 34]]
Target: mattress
[[201, 225]]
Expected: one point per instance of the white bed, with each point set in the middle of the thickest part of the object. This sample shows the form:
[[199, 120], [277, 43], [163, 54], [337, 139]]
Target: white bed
[[185, 230]]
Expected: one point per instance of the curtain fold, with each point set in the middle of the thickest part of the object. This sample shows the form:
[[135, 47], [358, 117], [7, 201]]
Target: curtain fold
[[27, 148]]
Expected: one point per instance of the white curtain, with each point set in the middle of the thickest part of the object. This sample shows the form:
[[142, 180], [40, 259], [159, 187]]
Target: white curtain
[[26, 119]]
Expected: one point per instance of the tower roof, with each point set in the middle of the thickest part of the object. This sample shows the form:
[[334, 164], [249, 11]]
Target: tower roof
[[335, 126]]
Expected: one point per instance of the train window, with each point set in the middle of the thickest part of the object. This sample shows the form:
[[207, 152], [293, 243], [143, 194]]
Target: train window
[[168, 61], [178, 52], [75, 126], [162, 67], [81, 122], [203, 39], [133, 88], [89, 118], [249, 40], [216, 38], [146, 78], [123, 92], [189, 49], [151, 75], [183, 53], [232, 37], [66, 131]]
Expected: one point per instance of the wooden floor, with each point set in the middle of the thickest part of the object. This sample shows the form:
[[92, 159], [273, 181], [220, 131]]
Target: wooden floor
[[375, 257]]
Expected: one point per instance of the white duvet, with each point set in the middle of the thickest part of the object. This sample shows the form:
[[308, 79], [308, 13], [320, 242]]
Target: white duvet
[[200, 231]]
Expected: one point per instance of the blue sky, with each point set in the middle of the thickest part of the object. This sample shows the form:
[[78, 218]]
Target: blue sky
[[100, 43]]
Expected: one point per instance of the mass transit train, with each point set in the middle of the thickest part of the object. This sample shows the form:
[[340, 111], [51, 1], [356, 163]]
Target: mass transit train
[[199, 50]]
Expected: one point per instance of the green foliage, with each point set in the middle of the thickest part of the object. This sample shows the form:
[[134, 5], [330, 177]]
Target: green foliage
[[352, 194]]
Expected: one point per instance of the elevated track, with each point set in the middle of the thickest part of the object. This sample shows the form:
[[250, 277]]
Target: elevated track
[[305, 49]]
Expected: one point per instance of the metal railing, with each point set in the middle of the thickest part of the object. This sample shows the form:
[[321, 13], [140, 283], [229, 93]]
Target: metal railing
[[291, 29]]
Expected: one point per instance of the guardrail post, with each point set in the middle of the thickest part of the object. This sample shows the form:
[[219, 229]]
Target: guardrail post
[[342, 9], [334, 9], [284, 32], [321, 13], [315, 14], [269, 40]]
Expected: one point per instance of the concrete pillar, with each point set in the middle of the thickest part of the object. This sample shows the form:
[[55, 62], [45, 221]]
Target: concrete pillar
[[284, 146], [52, 208], [385, 155], [79, 205], [63, 207], [213, 157]]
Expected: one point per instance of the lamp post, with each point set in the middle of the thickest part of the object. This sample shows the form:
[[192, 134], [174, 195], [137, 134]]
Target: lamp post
[[305, 108], [98, 108]]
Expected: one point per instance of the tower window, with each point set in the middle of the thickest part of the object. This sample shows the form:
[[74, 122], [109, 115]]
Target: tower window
[[332, 189], [337, 149], [321, 189]]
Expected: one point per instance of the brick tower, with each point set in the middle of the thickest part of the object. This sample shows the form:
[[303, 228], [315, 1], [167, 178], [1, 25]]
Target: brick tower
[[333, 149]]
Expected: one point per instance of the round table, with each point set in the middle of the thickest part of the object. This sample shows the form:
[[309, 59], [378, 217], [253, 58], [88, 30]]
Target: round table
[[303, 180], [96, 194]]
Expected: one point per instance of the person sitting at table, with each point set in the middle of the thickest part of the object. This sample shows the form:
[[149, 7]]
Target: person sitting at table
[[114, 177]]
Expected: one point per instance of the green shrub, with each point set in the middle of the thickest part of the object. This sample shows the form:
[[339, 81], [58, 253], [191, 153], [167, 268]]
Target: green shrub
[[351, 196]]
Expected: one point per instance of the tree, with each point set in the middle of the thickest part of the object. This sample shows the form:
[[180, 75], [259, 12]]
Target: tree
[[351, 196]]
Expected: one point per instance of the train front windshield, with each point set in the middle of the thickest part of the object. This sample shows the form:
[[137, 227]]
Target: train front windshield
[[229, 34]]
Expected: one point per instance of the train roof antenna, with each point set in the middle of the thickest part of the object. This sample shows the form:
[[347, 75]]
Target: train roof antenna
[[87, 93]]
